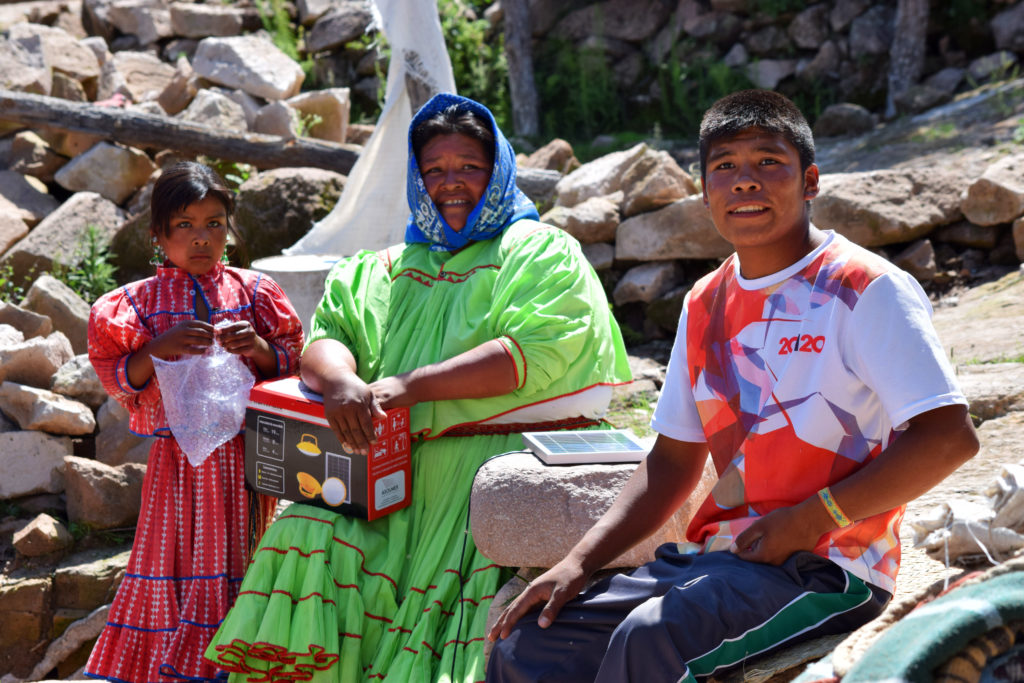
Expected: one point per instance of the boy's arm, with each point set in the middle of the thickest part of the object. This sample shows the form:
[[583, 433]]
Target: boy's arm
[[660, 484], [934, 444]]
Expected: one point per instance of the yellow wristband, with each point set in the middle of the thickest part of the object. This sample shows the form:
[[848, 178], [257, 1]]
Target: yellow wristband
[[833, 509]]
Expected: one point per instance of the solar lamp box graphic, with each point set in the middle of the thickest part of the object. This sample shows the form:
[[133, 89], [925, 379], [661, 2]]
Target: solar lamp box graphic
[[291, 453]]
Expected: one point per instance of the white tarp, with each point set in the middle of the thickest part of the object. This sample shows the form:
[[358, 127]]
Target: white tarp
[[372, 210]]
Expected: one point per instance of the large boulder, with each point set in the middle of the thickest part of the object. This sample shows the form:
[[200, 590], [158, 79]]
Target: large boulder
[[527, 514], [115, 443], [31, 462], [145, 76], [217, 111], [88, 579], [26, 613], [645, 282], [147, 20], [29, 323], [66, 310], [35, 360], [112, 171], [27, 199], [12, 230], [101, 496], [338, 26], [1008, 28], [998, 195], [77, 379], [628, 20], [653, 181], [590, 221], [681, 230], [278, 207], [203, 21], [31, 155], [22, 67], [58, 239], [600, 177], [43, 410], [249, 63], [557, 155], [323, 114], [42, 536], [61, 51], [875, 208]]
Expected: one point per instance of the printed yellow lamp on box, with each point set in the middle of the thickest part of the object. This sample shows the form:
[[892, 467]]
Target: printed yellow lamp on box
[[291, 453]]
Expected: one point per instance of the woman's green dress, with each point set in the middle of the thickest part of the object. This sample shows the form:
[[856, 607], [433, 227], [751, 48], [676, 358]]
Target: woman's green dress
[[405, 597]]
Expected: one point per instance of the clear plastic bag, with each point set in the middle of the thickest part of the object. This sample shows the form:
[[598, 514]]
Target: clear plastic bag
[[204, 399]]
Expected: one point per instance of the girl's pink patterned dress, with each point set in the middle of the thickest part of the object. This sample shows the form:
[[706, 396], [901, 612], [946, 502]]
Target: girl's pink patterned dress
[[190, 545]]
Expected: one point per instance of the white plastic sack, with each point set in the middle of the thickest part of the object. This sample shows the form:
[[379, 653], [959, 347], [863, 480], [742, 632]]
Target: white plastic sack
[[204, 399]]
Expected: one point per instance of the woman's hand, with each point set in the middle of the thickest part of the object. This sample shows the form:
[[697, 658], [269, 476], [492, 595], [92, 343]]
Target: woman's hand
[[350, 408], [394, 392]]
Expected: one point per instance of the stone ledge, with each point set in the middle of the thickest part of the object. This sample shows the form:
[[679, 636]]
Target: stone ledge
[[524, 513]]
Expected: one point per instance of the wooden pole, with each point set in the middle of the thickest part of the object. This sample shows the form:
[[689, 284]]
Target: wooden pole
[[159, 132]]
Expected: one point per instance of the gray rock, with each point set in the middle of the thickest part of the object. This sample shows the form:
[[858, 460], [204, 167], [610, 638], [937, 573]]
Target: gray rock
[[946, 80], [277, 118], [845, 118], [250, 105], [918, 98], [249, 63], [653, 181], [61, 51], [527, 514], [9, 336], [42, 536], [25, 611], [89, 579], [967, 234], [736, 57], [1018, 238], [845, 11], [31, 155], [871, 32], [809, 28], [998, 195], [147, 20], [202, 21], [681, 230], [112, 171], [31, 462], [31, 203], [593, 220], [537, 184], [339, 26], [101, 496], [325, 113], [12, 229], [22, 67], [29, 323], [556, 155], [996, 65], [1008, 28], [280, 206], [767, 73], [34, 361], [597, 178], [768, 41], [145, 76], [627, 20], [600, 255], [116, 444], [645, 282], [918, 259], [882, 207], [77, 379], [211, 109], [825, 64], [180, 90], [67, 88], [311, 10], [43, 410], [71, 640], [67, 311]]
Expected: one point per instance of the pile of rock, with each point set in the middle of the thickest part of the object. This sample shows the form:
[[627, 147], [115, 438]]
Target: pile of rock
[[54, 418]]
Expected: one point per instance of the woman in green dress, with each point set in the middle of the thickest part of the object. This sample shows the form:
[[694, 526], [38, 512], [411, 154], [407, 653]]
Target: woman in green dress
[[486, 323]]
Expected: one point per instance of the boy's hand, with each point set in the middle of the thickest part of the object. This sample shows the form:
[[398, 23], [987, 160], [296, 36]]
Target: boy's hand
[[555, 587], [191, 337], [780, 533]]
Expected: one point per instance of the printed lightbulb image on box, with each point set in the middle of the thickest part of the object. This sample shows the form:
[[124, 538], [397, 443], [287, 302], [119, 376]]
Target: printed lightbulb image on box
[[291, 453]]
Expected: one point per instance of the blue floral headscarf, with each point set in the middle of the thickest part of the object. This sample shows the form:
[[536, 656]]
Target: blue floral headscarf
[[501, 204]]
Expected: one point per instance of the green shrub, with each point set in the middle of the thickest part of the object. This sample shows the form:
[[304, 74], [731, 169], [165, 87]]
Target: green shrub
[[478, 57], [93, 275]]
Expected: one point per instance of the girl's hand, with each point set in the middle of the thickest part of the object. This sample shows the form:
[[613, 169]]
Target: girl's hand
[[240, 337], [191, 337], [350, 408]]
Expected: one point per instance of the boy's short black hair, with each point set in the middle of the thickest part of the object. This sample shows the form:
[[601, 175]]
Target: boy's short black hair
[[764, 109]]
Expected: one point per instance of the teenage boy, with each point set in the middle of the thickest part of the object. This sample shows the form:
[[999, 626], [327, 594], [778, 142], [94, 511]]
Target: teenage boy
[[809, 369]]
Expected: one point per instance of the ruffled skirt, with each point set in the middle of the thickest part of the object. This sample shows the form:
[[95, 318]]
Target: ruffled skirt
[[403, 598]]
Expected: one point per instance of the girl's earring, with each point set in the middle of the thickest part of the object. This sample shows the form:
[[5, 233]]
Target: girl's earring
[[157, 258], [224, 257]]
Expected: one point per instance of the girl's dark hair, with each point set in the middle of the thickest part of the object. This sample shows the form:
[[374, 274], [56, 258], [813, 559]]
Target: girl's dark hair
[[185, 183], [450, 121], [763, 109]]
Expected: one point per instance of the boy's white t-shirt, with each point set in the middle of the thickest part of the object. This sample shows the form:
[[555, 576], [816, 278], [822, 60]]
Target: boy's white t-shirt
[[824, 361]]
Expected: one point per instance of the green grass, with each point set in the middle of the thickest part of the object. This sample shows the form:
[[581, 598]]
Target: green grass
[[633, 413]]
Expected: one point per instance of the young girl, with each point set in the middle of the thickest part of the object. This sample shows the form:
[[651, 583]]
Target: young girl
[[190, 545]]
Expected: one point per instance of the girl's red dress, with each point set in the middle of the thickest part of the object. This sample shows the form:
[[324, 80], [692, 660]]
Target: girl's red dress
[[190, 545]]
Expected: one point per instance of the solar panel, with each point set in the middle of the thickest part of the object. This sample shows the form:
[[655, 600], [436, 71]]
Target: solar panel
[[592, 446]]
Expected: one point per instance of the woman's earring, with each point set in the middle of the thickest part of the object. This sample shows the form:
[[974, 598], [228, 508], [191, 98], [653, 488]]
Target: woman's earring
[[157, 258]]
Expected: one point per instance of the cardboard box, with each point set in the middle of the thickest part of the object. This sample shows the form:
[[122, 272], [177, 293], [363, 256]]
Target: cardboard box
[[291, 453]]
